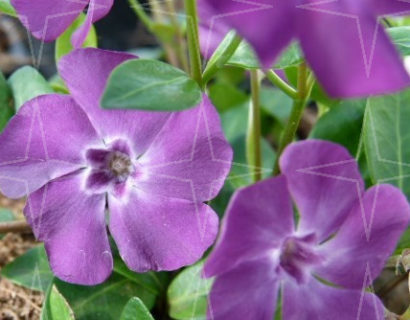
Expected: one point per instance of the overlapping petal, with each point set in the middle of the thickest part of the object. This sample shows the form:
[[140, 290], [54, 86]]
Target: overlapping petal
[[33, 149]]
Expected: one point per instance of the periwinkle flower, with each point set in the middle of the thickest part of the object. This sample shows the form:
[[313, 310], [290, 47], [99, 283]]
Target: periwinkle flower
[[342, 40], [321, 263], [48, 19], [147, 173]]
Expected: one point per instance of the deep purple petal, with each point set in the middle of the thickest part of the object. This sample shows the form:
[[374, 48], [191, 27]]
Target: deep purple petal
[[190, 157], [247, 292], [45, 140], [87, 81], [156, 233], [72, 225], [359, 59], [267, 25], [257, 220], [97, 9], [324, 181], [47, 19], [360, 249], [319, 301]]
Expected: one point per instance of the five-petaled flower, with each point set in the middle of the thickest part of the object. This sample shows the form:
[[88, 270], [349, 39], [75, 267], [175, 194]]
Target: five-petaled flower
[[323, 264], [147, 173], [343, 40], [48, 19]]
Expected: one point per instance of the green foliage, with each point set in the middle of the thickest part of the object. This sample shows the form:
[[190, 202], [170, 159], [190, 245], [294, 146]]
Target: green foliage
[[150, 85], [187, 294], [401, 38], [55, 307], [135, 310], [6, 107], [6, 216], [27, 83], [7, 8], [63, 42]]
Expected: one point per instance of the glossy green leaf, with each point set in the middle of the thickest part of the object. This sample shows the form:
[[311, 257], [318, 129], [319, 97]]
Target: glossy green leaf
[[187, 294], [63, 42], [401, 38], [6, 107], [27, 83], [31, 270], [150, 85], [292, 56], [136, 310], [7, 8], [342, 124], [55, 307], [387, 138]]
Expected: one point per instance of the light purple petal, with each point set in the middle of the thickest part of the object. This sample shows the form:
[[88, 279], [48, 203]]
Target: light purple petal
[[360, 249], [319, 301], [97, 9], [267, 25], [72, 225], [247, 292], [359, 59], [190, 157], [87, 81], [47, 19], [156, 233], [390, 7], [45, 140], [258, 218], [324, 181]]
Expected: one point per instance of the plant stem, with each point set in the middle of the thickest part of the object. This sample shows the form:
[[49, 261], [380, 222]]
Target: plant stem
[[253, 141], [193, 40], [139, 11], [305, 84], [213, 66], [15, 226], [281, 84]]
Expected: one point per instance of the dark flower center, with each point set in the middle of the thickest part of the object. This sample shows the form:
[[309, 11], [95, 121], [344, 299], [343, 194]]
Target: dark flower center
[[119, 164], [298, 256]]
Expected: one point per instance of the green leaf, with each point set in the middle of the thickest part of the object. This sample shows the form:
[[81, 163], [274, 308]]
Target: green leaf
[[136, 310], [6, 216], [276, 103], [7, 8], [56, 307], [27, 83], [187, 294], [225, 96], [58, 85], [31, 270], [63, 42], [401, 38], [6, 108], [342, 124], [291, 57], [150, 85], [387, 138]]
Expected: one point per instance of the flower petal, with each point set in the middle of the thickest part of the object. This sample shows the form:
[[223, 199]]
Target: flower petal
[[268, 26], [87, 82], [315, 300], [359, 60], [44, 140], [324, 181], [258, 218], [156, 233], [190, 158], [247, 292], [47, 19], [72, 225], [97, 9], [367, 238]]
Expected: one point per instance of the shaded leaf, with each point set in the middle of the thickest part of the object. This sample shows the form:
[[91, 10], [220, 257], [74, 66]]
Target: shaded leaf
[[136, 310], [401, 38], [6, 108]]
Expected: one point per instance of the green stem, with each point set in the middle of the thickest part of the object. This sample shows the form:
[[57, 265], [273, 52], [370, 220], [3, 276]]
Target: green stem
[[213, 66], [281, 84], [305, 84], [253, 142], [139, 11], [193, 40], [180, 45]]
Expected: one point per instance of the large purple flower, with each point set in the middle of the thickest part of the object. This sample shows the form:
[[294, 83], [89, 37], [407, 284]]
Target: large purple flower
[[150, 171], [343, 236], [47, 19], [343, 40]]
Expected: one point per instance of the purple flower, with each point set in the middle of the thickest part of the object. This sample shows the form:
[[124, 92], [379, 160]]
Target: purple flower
[[152, 171], [48, 19], [342, 40], [343, 236]]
